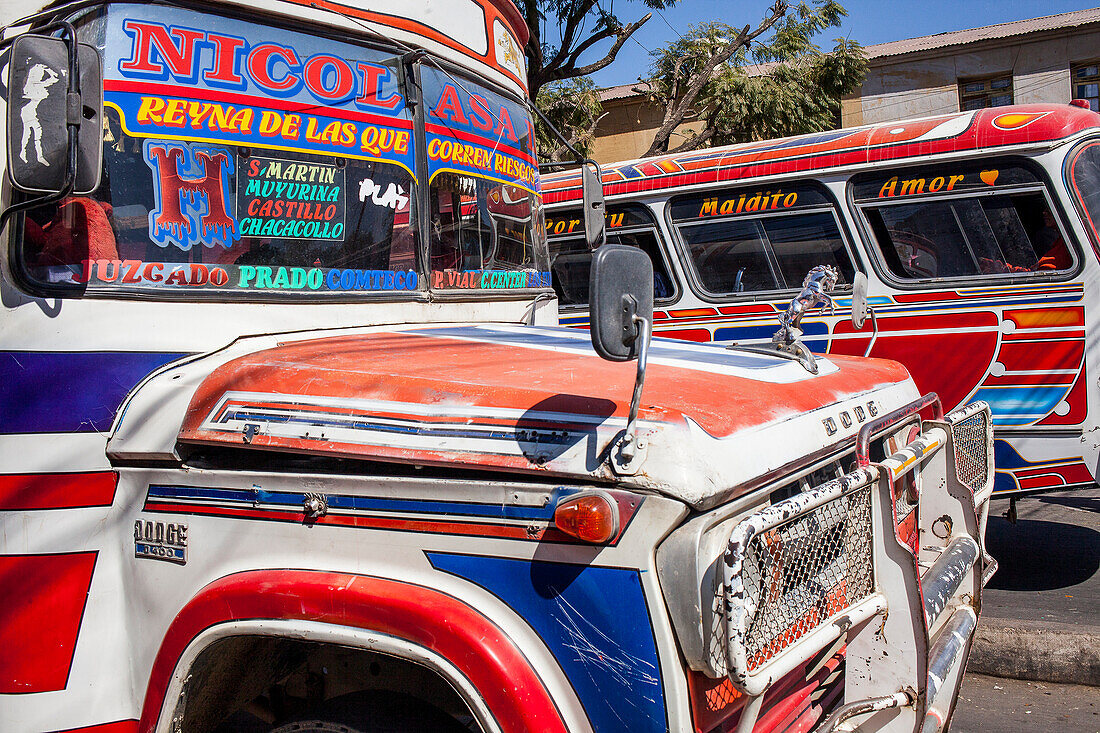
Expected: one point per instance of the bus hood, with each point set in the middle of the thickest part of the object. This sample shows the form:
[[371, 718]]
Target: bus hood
[[512, 398]]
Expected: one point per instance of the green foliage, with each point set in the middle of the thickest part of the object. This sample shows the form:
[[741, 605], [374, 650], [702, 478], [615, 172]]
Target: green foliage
[[792, 98], [573, 106], [738, 86]]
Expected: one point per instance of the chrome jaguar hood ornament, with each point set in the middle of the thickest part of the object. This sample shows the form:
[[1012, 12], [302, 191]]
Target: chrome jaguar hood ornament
[[819, 282]]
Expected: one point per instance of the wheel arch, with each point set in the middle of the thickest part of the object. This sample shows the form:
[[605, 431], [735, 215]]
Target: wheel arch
[[411, 622]]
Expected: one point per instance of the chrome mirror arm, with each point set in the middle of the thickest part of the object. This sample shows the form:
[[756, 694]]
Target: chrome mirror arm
[[629, 452]]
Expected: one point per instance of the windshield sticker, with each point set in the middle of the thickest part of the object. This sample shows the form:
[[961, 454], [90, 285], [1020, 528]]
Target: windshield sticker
[[158, 274], [282, 199], [396, 196], [747, 201], [489, 279], [509, 54], [758, 201], [573, 224], [923, 181], [191, 191], [285, 91], [243, 277], [474, 135]]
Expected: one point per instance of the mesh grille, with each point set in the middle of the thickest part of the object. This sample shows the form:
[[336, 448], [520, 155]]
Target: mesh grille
[[805, 570], [970, 446]]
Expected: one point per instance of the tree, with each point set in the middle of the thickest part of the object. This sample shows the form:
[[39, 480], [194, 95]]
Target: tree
[[562, 31], [795, 88], [573, 107]]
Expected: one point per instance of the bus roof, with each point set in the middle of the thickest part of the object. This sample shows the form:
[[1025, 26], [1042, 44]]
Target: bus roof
[[904, 139]]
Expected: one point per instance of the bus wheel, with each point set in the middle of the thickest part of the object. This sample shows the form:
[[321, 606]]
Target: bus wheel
[[374, 712]]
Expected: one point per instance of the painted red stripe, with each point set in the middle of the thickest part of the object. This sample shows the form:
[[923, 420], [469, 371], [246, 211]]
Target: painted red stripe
[[700, 335], [981, 320], [1061, 380], [365, 522], [119, 726], [692, 312], [731, 310], [1040, 482], [925, 297], [1074, 473], [28, 491], [43, 604], [1043, 356], [541, 533], [513, 692]]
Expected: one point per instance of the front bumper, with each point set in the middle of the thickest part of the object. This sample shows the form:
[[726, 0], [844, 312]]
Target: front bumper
[[889, 556]]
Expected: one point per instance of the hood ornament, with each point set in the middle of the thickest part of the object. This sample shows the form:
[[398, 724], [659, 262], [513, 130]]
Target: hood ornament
[[819, 282]]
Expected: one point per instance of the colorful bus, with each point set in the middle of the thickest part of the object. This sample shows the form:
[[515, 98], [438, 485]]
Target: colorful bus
[[291, 441], [976, 232]]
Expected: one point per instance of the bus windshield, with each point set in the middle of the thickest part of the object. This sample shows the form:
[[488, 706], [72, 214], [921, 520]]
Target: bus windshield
[[259, 161], [483, 188]]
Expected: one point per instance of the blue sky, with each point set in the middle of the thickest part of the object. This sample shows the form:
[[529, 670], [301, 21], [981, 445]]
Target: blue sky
[[868, 21]]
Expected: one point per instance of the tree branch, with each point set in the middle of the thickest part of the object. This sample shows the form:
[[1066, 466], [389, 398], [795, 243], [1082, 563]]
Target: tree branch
[[677, 107]]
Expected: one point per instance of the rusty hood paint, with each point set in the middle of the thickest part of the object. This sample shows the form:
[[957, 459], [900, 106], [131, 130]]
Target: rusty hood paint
[[534, 400]]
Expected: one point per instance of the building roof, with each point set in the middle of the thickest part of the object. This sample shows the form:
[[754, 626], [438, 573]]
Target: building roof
[[623, 91], [985, 33], [626, 91]]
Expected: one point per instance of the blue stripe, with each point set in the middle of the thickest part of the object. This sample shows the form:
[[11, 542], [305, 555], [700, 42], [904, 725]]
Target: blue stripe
[[595, 622], [510, 434], [1020, 405], [765, 333], [690, 355], [69, 392], [362, 503]]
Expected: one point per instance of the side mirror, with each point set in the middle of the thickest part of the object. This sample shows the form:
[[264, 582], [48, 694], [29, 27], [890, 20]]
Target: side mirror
[[42, 104], [620, 290], [592, 190], [859, 300]]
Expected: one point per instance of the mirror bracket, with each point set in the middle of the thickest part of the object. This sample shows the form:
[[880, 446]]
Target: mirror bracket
[[628, 452]]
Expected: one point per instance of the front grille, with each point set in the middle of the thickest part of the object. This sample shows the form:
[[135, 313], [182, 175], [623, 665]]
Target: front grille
[[805, 570], [970, 438]]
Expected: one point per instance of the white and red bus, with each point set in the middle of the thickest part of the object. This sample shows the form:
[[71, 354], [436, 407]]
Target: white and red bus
[[976, 231], [291, 441]]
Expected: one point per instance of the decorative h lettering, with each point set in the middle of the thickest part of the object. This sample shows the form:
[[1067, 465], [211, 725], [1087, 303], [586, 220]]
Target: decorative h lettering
[[191, 189]]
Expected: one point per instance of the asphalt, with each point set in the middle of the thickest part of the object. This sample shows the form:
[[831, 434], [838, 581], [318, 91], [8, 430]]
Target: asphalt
[[996, 705], [1040, 615]]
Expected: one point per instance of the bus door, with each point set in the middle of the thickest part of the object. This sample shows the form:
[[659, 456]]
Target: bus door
[[980, 295]]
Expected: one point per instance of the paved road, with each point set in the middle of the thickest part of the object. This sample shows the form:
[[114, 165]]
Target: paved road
[[1049, 560], [995, 705]]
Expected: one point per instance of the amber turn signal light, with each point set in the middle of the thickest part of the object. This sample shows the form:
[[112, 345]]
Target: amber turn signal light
[[591, 517]]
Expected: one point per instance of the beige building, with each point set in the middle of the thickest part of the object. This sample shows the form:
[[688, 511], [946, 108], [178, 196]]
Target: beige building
[[1050, 59]]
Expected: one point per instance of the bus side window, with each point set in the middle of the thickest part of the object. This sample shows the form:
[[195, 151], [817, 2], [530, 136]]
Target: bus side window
[[970, 236], [571, 260], [769, 253]]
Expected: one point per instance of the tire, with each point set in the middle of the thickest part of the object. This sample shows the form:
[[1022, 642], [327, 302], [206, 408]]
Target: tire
[[374, 712]]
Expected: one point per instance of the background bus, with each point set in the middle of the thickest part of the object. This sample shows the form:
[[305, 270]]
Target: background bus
[[977, 232]]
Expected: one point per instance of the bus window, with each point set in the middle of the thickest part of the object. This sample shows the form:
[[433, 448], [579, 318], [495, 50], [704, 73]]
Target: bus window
[[746, 240], [571, 260], [964, 223], [1084, 179]]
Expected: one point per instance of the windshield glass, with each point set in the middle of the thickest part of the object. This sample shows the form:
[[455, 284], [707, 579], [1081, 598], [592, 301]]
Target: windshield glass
[[483, 181], [239, 158]]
